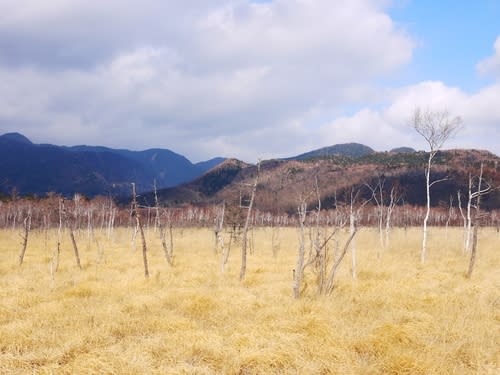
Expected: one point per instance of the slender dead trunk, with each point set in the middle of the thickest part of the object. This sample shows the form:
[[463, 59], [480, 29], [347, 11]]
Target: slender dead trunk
[[464, 220], [136, 215], [473, 252], [468, 232], [218, 226], [72, 227], [166, 250], [27, 227], [75, 248], [352, 229], [299, 268], [390, 209], [57, 253], [331, 277], [423, 254], [247, 223], [225, 251], [477, 218]]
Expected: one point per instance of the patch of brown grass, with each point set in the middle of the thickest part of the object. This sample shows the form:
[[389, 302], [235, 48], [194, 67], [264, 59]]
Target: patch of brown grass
[[397, 317]]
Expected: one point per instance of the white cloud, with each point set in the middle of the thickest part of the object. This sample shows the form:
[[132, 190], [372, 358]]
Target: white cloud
[[491, 65], [390, 126], [202, 78], [229, 78]]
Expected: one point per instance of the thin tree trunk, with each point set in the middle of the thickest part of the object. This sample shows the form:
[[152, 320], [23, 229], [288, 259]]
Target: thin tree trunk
[[75, 248], [136, 215], [247, 223], [477, 218], [352, 229], [331, 278], [473, 252], [144, 250], [27, 227], [423, 254], [298, 271]]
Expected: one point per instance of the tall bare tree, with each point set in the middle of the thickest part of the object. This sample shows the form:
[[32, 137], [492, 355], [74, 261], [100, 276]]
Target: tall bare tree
[[483, 188], [27, 227], [247, 222], [436, 127], [136, 215]]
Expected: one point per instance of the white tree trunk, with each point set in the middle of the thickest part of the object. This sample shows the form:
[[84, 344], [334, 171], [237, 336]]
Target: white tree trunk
[[352, 230], [423, 254]]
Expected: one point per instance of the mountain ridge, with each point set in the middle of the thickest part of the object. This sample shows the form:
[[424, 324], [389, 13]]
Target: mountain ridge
[[283, 181], [90, 170], [97, 170]]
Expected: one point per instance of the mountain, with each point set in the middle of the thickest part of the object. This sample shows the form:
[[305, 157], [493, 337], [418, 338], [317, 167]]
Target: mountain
[[16, 137], [345, 149], [90, 170], [403, 150], [282, 181], [209, 164], [167, 167], [202, 189]]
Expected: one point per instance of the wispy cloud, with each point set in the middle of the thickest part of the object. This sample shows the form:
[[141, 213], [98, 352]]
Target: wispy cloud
[[207, 78], [491, 65]]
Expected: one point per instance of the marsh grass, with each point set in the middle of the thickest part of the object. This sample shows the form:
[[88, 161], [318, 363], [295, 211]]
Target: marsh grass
[[398, 317]]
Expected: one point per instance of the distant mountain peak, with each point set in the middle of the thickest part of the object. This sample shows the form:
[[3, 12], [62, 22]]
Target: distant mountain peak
[[344, 149], [403, 150], [89, 170], [17, 137]]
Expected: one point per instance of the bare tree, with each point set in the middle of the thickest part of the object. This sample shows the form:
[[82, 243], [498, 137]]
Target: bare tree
[[218, 227], [135, 214], [298, 272], [464, 219], [436, 127], [481, 190], [27, 227], [72, 228], [168, 250], [354, 215], [247, 222]]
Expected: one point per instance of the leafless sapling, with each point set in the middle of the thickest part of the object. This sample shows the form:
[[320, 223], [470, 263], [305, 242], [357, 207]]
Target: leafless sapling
[[26, 231], [481, 190], [247, 223], [136, 215]]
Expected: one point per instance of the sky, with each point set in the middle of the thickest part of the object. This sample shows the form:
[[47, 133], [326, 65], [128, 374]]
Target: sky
[[248, 79]]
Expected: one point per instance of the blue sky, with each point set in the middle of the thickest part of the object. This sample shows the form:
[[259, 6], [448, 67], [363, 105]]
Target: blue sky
[[452, 36], [247, 79]]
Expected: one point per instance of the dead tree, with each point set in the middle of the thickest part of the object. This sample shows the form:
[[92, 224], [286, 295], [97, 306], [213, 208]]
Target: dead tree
[[298, 272], [481, 190], [136, 215], [72, 228], [168, 250], [54, 265], [157, 208], [26, 231], [464, 219], [378, 197], [247, 223], [450, 214], [354, 214], [330, 283], [436, 127], [218, 227]]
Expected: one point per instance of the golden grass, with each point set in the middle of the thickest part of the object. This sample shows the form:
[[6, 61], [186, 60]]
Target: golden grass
[[398, 317]]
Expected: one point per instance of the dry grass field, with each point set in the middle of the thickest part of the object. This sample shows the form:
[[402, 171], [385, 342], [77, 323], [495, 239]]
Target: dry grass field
[[397, 317]]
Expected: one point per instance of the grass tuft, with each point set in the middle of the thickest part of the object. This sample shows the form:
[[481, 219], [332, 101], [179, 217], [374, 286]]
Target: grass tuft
[[397, 317]]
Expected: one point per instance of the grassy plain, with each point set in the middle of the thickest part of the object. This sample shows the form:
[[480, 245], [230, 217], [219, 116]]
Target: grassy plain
[[397, 317]]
